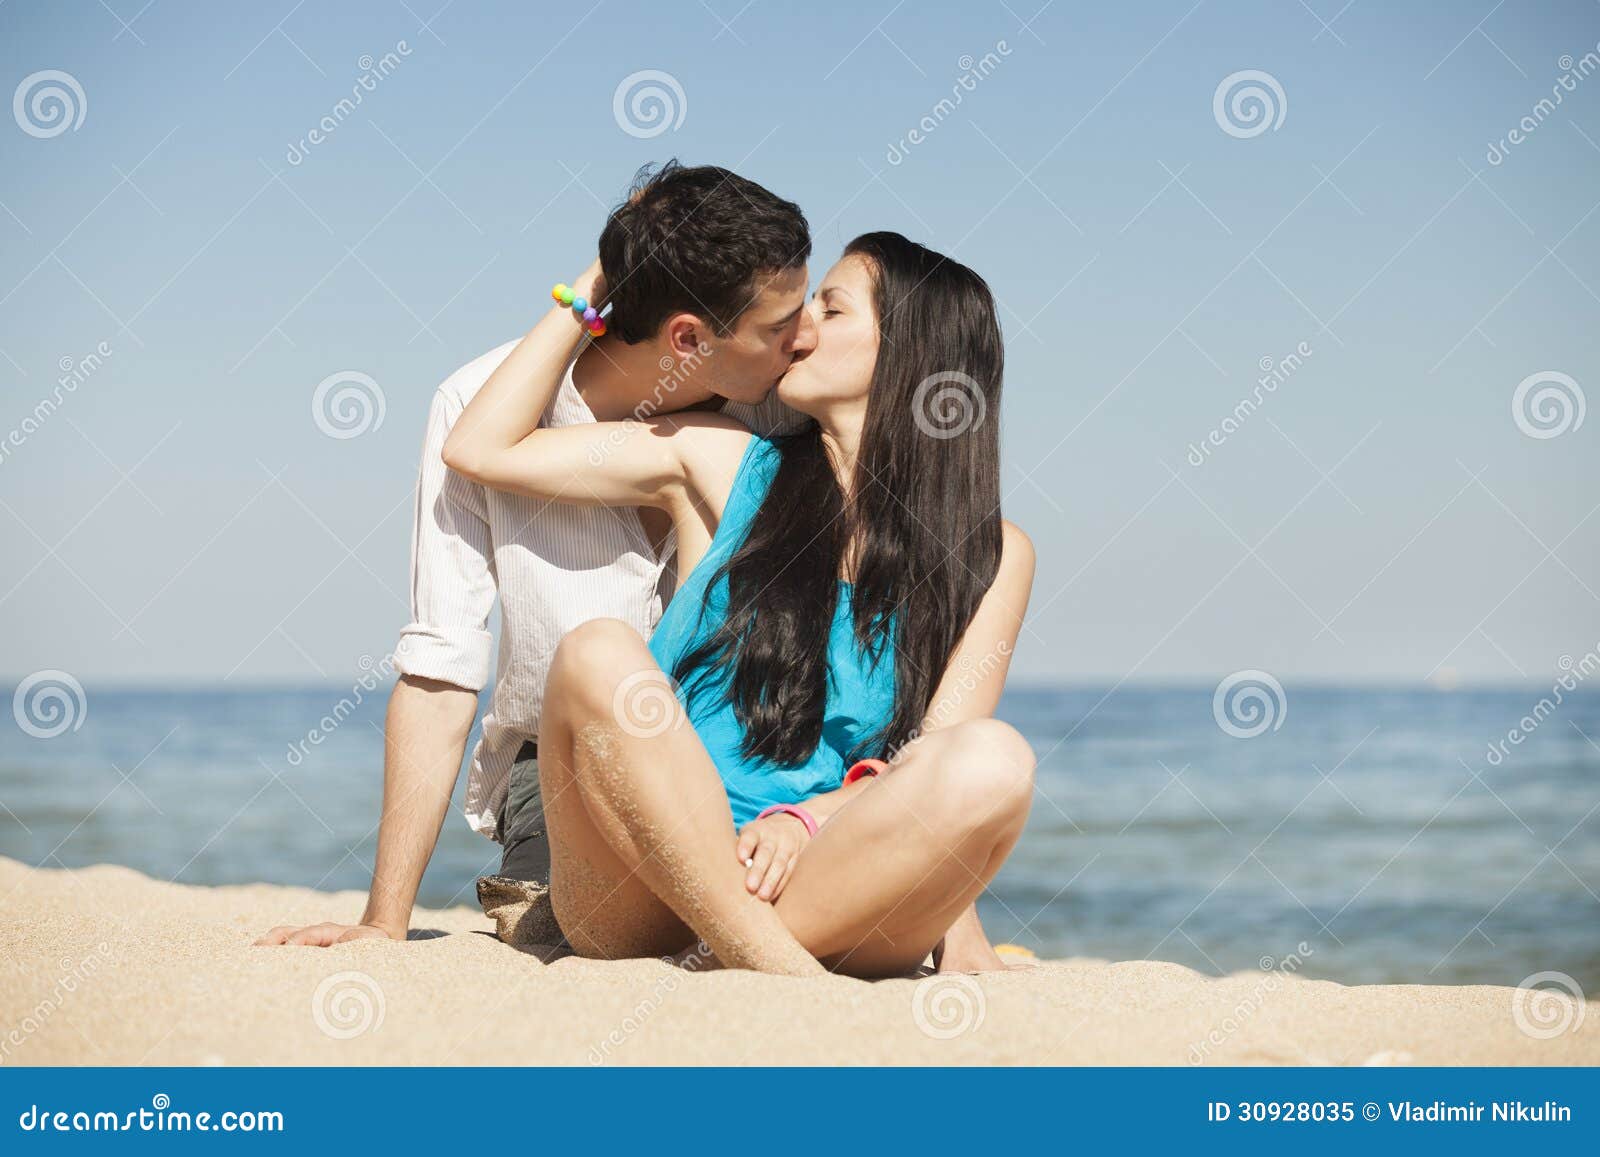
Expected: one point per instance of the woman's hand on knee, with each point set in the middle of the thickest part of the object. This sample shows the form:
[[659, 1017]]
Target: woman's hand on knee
[[768, 848]]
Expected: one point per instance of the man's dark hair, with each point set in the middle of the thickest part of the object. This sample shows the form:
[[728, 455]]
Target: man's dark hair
[[695, 239]]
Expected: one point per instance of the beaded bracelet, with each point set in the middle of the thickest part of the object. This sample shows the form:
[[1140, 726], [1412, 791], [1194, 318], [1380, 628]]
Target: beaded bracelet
[[588, 314]]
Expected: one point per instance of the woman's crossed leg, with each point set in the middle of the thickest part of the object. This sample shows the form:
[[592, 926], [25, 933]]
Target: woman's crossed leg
[[642, 837]]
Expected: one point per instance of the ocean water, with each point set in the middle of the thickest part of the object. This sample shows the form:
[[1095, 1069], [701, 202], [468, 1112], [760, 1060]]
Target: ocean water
[[1365, 835]]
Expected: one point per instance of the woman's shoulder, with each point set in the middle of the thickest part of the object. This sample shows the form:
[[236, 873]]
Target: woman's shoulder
[[701, 433], [1016, 555], [710, 447], [1015, 543]]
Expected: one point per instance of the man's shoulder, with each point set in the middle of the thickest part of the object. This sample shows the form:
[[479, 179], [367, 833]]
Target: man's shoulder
[[461, 386], [769, 417]]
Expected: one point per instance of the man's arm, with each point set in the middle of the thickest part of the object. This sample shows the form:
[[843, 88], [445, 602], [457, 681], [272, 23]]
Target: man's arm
[[443, 658], [424, 737]]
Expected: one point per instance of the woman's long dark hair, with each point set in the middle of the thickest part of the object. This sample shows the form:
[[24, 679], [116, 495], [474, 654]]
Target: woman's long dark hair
[[924, 518]]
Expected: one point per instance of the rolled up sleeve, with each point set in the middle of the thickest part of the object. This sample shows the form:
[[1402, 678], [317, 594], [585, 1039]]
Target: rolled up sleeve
[[452, 568]]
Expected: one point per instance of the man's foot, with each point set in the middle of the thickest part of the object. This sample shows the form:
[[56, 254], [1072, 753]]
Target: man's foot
[[522, 915]]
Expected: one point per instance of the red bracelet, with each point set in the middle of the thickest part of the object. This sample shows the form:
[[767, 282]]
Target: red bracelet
[[863, 768], [797, 812]]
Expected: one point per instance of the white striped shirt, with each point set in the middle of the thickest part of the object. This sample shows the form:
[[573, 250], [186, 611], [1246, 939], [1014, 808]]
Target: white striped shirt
[[554, 565]]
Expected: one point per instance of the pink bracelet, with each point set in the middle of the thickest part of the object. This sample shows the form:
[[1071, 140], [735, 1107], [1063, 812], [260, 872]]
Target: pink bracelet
[[797, 812]]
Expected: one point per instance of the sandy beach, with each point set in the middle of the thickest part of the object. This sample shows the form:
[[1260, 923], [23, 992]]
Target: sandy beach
[[106, 966]]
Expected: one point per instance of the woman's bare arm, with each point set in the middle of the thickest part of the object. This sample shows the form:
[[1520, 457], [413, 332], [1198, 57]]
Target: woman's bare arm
[[976, 673], [970, 689], [497, 440]]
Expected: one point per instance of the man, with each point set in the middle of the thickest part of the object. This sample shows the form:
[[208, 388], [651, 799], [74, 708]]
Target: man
[[706, 276]]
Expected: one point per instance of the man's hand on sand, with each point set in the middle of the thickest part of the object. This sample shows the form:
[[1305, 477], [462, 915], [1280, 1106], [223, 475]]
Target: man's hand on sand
[[323, 935]]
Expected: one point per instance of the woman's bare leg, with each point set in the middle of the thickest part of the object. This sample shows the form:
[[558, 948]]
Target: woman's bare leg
[[641, 835], [890, 872]]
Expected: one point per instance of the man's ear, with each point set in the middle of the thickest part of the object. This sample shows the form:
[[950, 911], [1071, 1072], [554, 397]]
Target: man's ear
[[684, 334]]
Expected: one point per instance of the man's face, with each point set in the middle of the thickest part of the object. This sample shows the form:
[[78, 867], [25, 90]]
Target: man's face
[[745, 365]]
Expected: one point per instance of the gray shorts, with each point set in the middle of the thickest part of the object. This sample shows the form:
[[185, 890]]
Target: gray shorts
[[520, 828]]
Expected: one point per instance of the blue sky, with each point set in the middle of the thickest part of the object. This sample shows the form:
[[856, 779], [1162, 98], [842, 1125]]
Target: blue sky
[[1382, 515]]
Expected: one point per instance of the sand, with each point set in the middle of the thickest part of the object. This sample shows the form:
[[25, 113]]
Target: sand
[[106, 966]]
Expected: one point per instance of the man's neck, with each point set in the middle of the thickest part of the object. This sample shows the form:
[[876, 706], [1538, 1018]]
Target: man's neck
[[618, 381]]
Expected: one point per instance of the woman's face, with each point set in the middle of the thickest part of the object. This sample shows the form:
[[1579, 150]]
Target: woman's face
[[838, 368]]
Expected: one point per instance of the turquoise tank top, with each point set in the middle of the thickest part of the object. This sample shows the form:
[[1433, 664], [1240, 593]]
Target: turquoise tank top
[[860, 698]]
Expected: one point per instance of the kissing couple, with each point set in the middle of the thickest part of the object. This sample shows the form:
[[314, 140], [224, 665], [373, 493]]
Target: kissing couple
[[757, 602]]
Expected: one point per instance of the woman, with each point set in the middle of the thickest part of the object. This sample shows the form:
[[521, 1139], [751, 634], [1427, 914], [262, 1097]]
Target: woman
[[841, 587]]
